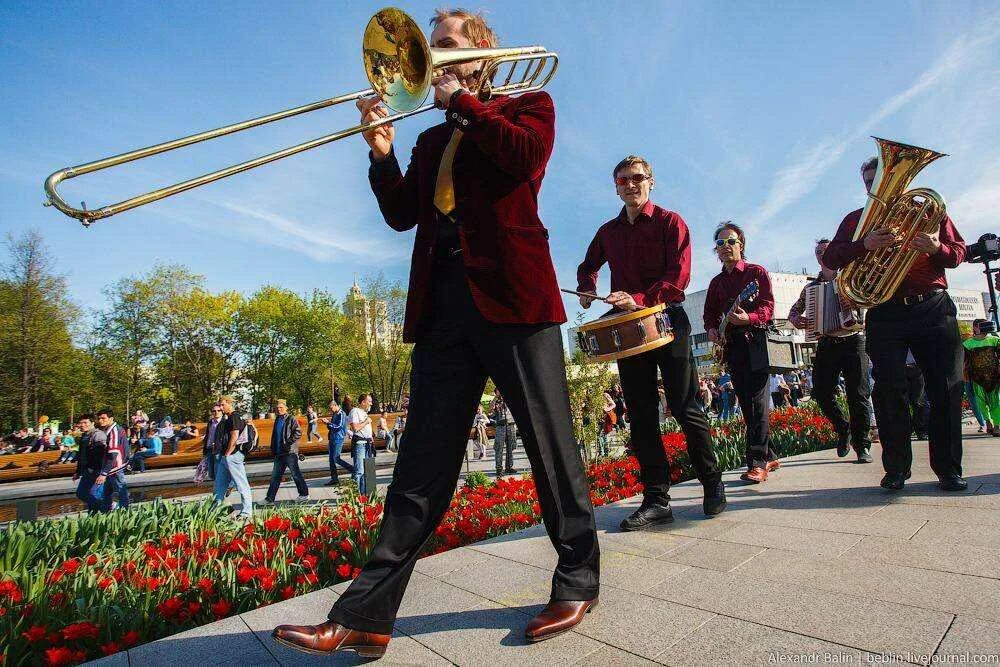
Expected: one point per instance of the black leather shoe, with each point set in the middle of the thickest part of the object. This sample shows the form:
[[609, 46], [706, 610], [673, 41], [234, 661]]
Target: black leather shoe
[[894, 481], [715, 498], [953, 483], [649, 514], [844, 444], [864, 455]]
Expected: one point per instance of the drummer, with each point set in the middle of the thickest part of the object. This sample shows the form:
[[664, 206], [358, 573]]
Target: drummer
[[649, 251]]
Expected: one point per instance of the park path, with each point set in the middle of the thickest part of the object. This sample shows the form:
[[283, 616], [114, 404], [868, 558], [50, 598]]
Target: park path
[[816, 563]]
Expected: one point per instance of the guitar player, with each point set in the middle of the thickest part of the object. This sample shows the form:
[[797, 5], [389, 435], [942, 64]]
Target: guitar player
[[724, 294]]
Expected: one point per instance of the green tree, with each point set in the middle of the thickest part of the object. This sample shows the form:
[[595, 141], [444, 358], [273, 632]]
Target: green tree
[[587, 380], [376, 315], [35, 331]]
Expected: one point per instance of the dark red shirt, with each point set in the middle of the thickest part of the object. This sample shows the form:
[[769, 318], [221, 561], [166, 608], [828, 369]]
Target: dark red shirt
[[926, 273], [726, 286], [649, 258]]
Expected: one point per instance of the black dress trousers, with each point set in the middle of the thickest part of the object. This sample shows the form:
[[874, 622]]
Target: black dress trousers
[[456, 350], [929, 330], [752, 390], [680, 382], [836, 355]]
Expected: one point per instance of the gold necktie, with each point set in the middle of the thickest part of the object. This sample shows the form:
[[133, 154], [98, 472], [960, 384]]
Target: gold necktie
[[444, 190]]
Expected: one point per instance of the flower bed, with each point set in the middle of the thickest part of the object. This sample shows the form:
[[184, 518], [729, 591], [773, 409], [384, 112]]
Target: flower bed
[[80, 588]]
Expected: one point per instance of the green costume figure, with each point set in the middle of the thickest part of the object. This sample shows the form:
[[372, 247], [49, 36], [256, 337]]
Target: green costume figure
[[982, 364]]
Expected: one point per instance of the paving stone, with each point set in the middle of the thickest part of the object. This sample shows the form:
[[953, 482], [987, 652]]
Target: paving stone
[[958, 558], [609, 656], [817, 542], [834, 522], [639, 624], [428, 600], [635, 573], [225, 642], [722, 556], [119, 659], [505, 582], [496, 637], [971, 637], [973, 498], [936, 532], [886, 627], [724, 640], [928, 589], [910, 512], [442, 564], [648, 543], [537, 551], [312, 609]]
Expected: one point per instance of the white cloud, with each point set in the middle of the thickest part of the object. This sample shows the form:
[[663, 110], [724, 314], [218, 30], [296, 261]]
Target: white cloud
[[799, 179]]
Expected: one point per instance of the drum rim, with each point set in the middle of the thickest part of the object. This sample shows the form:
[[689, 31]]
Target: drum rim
[[651, 345], [624, 317]]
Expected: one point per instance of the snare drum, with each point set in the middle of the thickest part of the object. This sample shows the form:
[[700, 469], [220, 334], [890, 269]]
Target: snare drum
[[621, 335]]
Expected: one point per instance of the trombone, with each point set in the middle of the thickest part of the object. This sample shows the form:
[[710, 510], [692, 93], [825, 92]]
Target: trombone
[[399, 64]]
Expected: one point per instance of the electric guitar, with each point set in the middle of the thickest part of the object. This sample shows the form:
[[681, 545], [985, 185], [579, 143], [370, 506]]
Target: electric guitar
[[746, 295]]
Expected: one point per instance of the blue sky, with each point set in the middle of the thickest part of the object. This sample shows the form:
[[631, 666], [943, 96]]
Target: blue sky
[[756, 112]]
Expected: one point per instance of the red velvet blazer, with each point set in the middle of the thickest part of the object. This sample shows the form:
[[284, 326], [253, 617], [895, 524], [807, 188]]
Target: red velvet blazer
[[497, 173]]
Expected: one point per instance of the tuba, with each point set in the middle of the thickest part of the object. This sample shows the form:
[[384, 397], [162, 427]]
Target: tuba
[[874, 277]]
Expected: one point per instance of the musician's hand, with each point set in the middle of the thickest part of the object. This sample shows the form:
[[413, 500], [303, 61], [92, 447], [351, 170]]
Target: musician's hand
[[622, 301], [926, 243], [739, 317], [713, 335], [879, 238], [585, 301], [380, 138], [444, 87], [799, 322]]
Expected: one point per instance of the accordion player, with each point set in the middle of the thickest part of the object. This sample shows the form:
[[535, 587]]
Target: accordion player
[[829, 315]]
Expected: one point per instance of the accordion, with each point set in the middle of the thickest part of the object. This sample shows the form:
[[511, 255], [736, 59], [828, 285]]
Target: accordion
[[828, 314]]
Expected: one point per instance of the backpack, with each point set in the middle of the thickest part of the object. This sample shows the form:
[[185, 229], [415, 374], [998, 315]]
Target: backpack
[[248, 439]]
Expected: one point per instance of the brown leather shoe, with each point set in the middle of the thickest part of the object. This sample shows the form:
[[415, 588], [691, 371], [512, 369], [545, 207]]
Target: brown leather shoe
[[757, 475], [330, 637], [557, 617], [773, 465]]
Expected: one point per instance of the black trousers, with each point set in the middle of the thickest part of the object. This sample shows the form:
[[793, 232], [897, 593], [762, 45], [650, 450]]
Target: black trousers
[[916, 397], [844, 355], [456, 350], [281, 461], [930, 331], [680, 383], [752, 391]]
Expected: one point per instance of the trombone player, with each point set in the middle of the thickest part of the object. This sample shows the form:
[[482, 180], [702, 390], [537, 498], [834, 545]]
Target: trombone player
[[471, 192], [921, 317]]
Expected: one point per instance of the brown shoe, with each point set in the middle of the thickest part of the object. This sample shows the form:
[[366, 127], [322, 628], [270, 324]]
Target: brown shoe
[[773, 465], [757, 475], [330, 637], [557, 617]]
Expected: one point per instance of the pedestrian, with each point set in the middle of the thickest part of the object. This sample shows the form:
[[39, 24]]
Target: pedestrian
[[504, 437], [149, 446], [336, 427], [285, 447], [89, 462], [116, 458], [312, 422], [229, 465], [361, 426], [479, 423]]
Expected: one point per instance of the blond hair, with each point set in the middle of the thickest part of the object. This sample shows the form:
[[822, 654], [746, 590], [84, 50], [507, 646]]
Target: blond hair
[[227, 399], [474, 26], [281, 401], [630, 160]]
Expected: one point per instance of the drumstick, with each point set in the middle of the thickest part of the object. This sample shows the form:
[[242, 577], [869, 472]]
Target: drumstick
[[589, 295]]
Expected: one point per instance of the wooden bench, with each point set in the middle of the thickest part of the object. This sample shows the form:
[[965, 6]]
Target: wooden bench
[[188, 452]]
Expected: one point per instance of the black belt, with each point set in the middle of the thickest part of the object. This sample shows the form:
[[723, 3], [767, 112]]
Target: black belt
[[914, 299]]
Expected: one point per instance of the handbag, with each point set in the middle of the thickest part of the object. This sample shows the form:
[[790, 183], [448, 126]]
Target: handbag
[[97, 492], [201, 472]]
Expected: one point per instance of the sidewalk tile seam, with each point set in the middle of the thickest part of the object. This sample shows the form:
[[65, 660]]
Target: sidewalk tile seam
[[937, 647], [259, 640], [689, 633]]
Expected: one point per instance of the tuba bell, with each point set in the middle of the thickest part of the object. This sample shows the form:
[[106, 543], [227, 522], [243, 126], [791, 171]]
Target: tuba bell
[[874, 277]]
